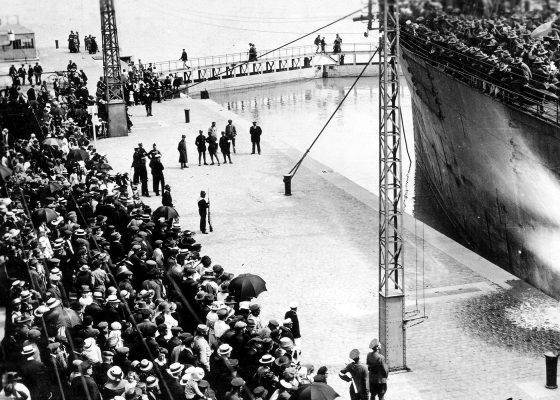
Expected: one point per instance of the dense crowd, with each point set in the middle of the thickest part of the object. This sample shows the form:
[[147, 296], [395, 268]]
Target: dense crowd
[[106, 299], [499, 51]]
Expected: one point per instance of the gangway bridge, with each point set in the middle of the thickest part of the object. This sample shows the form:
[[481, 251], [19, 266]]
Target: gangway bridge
[[285, 64]]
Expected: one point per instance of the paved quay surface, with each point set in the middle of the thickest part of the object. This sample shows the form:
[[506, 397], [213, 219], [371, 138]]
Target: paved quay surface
[[486, 331]]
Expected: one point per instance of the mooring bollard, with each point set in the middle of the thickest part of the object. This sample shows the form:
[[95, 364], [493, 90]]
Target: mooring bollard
[[56, 44], [551, 369], [287, 185], [187, 115]]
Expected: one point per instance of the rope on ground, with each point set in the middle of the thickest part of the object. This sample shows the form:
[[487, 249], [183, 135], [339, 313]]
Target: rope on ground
[[268, 52], [298, 164]]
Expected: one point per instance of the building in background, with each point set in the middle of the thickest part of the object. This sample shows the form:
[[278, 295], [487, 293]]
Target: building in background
[[16, 41]]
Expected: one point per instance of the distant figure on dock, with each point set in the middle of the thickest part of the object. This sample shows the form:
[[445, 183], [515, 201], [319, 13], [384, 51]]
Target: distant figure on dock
[[148, 99], [157, 173], [182, 148], [378, 371], [317, 43], [231, 133], [337, 48], [37, 71], [252, 52], [72, 43], [184, 58], [200, 143], [225, 148], [166, 199], [92, 45], [255, 131], [323, 44]]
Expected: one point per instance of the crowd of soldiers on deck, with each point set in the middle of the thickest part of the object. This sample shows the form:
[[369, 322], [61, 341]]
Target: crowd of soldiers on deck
[[499, 52]]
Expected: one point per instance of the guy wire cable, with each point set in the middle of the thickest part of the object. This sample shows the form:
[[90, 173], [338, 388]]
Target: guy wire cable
[[297, 165]]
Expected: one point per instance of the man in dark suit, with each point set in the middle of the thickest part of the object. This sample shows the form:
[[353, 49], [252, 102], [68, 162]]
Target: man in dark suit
[[203, 205], [171, 378], [33, 373], [157, 173], [378, 371], [200, 143], [148, 103], [292, 314], [182, 148], [357, 374], [83, 386], [255, 131]]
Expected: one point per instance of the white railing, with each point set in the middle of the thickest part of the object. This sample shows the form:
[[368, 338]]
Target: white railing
[[236, 58]]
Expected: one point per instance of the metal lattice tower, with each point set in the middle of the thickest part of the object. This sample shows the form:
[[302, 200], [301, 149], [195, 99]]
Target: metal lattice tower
[[392, 334], [114, 94], [110, 49]]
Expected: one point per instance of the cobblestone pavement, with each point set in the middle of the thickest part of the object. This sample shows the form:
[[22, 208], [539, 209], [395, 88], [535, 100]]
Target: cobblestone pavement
[[485, 334]]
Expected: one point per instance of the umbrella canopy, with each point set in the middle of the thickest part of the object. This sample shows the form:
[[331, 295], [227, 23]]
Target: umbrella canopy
[[315, 391], [51, 142], [246, 286], [103, 167], [165, 212], [51, 188], [41, 215], [5, 173], [78, 155]]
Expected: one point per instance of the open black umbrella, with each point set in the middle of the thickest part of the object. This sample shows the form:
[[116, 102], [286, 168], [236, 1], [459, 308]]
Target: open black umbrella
[[315, 391], [5, 173], [41, 215], [246, 286], [165, 212], [78, 155], [51, 188], [103, 167]]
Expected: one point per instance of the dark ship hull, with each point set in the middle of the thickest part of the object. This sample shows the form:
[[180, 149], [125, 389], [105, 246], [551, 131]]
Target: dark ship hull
[[493, 168]]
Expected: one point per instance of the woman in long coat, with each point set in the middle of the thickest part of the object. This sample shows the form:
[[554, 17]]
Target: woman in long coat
[[182, 147]]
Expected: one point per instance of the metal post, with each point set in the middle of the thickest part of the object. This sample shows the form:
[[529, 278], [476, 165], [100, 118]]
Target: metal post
[[392, 333]]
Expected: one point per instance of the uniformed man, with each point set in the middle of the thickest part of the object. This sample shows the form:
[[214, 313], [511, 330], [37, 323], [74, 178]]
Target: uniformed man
[[203, 206], [356, 374], [378, 371], [157, 173]]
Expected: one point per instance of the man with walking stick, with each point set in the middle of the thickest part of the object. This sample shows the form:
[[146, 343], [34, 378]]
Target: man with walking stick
[[203, 208]]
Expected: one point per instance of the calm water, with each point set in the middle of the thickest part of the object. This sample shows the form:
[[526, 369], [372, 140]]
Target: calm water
[[296, 112]]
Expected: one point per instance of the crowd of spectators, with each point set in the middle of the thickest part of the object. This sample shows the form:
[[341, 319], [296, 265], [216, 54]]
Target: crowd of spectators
[[105, 300], [492, 53]]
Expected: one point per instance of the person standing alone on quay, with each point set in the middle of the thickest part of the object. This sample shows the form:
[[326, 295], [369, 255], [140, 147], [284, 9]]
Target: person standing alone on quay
[[378, 371], [225, 147], [255, 131], [231, 133], [203, 206], [182, 148], [323, 44], [200, 143]]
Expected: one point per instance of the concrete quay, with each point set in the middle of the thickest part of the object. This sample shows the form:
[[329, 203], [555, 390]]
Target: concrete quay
[[486, 330]]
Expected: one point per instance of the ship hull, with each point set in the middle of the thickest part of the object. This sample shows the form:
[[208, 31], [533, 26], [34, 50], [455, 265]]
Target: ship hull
[[493, 169]]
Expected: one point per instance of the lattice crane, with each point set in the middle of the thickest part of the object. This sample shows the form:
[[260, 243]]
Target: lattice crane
[[114, 94], [392, 332]]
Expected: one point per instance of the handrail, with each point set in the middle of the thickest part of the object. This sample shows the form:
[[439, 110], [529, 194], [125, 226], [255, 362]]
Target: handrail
[[550, 113], [233, 58]]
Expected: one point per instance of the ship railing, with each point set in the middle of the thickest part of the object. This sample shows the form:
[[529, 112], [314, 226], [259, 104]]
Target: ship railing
[[235, 58], [532, 100]]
